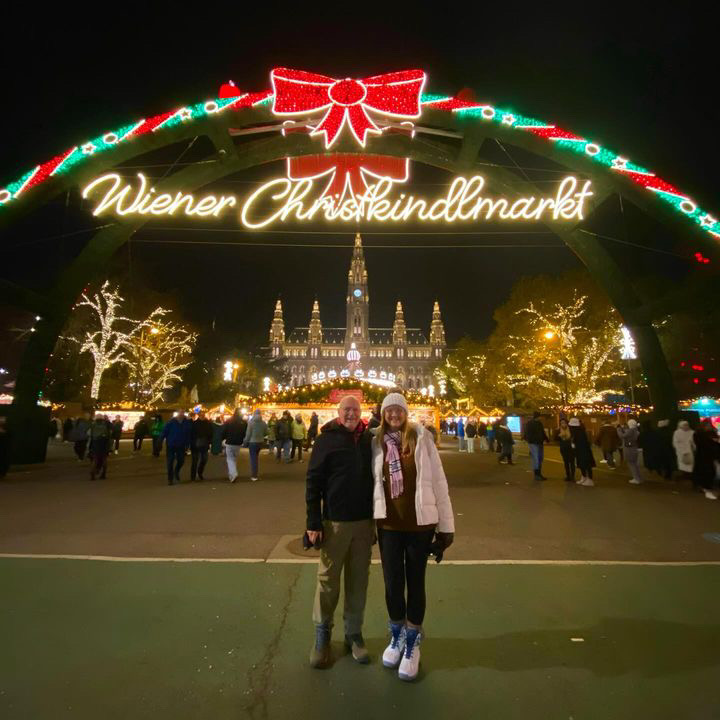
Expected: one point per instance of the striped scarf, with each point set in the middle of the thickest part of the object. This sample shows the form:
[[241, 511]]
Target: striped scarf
[[393, 442]]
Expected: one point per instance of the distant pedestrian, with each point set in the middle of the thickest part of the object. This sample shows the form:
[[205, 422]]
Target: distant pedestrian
[[271, 434], [312, 430], [666, 451], [707, 453], [140, 432], [117, 428], [156, 431], [482, 435], [217, 436], [583, 452], [176, 435], [283, 440], [684, 446], [534, 435], [505, 442], [374, 418], [200, 439], [491, 438], [430, 427], [564, 438], [607, 440], [79, 435], [629, 435], [100, 438], [460, 431], [67, 429], [649, 443], [233, 434], [470, 435], [257, 431], [298, 435]]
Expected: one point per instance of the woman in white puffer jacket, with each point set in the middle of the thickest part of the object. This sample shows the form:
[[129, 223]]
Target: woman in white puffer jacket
[[412, 509], [684, 446]]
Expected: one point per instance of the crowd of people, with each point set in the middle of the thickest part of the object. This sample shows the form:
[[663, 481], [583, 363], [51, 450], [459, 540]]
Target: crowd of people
[[285, 437], [642, 446]]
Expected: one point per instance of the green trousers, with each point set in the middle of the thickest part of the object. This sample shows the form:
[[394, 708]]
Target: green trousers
[[346, 546]]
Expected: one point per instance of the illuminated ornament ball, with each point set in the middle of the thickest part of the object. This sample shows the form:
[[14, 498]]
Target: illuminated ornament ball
[[353, 354]]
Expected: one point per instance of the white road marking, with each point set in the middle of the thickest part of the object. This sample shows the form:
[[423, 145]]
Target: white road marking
[[374, 561]]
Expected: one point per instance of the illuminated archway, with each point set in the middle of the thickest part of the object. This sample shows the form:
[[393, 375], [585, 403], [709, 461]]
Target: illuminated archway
[[246, 130]]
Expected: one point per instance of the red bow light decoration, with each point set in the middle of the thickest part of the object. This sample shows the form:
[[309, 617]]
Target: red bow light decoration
[[297, 92], [347, 173]]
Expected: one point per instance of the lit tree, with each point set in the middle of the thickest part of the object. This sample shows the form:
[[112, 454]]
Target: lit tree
[[563, 357], [155, 355], [106, 344]]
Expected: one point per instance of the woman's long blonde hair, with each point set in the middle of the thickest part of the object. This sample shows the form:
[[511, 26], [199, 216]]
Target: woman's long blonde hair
[[407, 432]]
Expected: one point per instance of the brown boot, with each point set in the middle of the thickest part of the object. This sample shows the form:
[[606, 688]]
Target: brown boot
[[320, 653]]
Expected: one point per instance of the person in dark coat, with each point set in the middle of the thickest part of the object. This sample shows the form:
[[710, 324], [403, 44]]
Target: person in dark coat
[[200, 439], [505, 442], [67, 429], [312, 430], [583, 452], [534, 435], [99, 435], [117, 428], [217, 437], [233, 434], [707, 453], [607, 440], [564, 438], [176, 435], [666, 450], [649, 443], [141, 431], [79, 435], [283, 431]]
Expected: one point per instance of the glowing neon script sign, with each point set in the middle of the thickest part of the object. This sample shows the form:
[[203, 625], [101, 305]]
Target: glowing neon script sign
[[284, 199]]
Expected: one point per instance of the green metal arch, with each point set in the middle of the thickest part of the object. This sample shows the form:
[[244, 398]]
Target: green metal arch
[[453, 147]]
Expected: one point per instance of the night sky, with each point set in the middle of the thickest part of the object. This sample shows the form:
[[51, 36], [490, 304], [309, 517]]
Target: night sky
[[642, 85]]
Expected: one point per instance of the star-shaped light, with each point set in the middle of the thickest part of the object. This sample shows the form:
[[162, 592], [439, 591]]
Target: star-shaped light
[[707, 220], [619, 163], [185, 113], [508, 119], [88, 148]]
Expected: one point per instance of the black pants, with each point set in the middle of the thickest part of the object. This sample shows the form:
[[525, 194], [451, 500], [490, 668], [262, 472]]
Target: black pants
[[568, 456], [116, 443], [137, 442], [199, 460], [157, 445], [404, 559], [175, 460], [80, 446], [299, 445]]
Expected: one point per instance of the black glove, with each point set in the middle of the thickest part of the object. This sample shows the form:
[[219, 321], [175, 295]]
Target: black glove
[[445, 539]]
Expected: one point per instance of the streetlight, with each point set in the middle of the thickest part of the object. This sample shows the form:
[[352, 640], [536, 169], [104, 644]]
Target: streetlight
[[549, 335]]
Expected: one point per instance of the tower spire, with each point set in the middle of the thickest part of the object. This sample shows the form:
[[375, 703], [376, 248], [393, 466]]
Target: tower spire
[[437, 331], [358, 301], [399, 330], [277, 330], [315, 333]]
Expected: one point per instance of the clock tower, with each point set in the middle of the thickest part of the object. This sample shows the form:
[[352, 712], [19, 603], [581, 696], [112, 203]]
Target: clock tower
[[358, 302]]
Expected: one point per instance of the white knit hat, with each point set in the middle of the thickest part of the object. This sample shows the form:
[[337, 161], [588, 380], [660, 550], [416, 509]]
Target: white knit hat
[[394, 399]]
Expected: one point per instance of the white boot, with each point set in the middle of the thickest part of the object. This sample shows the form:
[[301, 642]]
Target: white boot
[[410, 663], [710, 495], [394, 651]]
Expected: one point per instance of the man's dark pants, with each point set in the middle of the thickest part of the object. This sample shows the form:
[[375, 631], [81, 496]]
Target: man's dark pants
[[199, 460], [175, 460]]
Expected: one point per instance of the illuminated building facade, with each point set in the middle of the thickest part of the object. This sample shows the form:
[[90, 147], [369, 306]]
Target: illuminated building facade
[[399, 355]]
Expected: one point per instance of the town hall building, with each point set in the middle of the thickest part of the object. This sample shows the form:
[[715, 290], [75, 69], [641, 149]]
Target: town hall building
[[398, 355]]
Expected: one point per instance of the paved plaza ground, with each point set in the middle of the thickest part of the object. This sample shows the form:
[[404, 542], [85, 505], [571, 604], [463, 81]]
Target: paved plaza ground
[[127, 598]]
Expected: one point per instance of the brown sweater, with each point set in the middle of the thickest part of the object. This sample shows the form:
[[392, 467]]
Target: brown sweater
[[401, 513]]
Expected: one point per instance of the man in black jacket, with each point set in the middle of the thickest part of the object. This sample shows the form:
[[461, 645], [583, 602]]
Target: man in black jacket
[[339, 500], [535, 437], [200, 439], [233, 434]]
